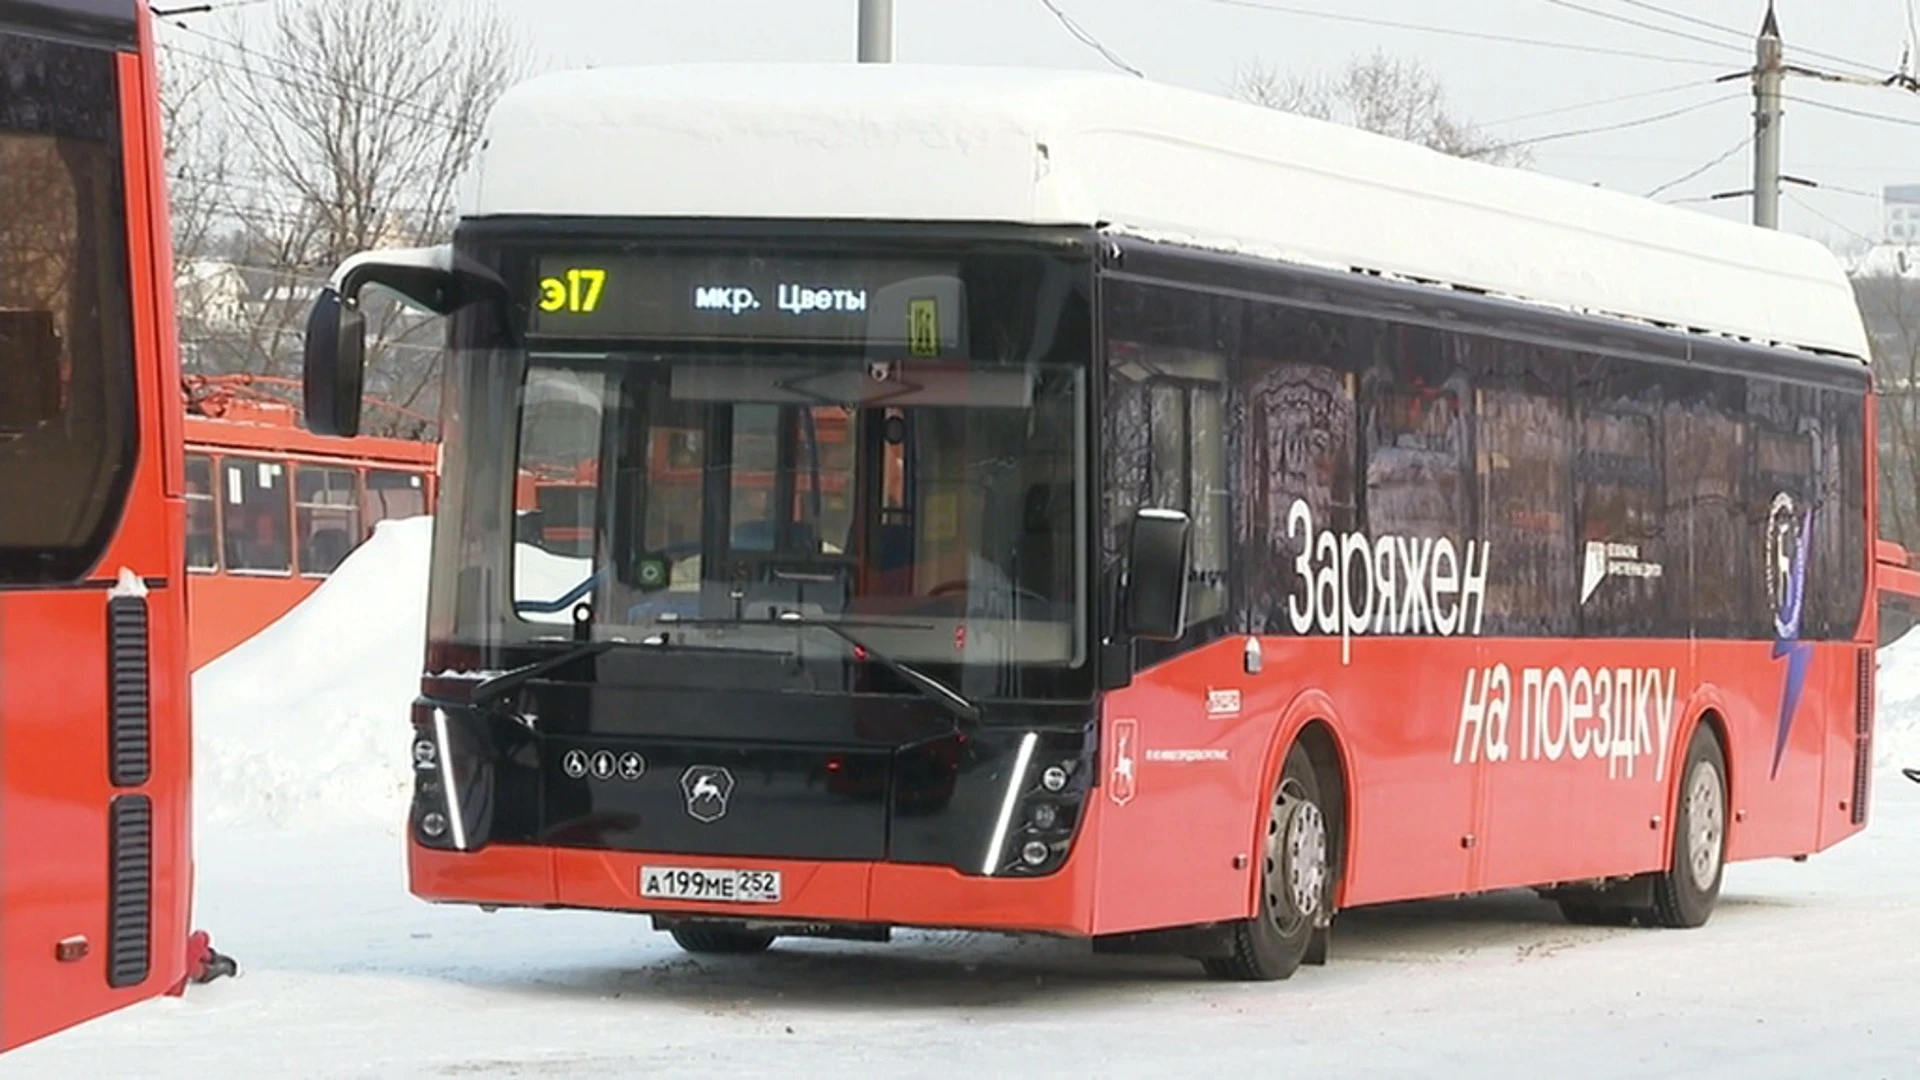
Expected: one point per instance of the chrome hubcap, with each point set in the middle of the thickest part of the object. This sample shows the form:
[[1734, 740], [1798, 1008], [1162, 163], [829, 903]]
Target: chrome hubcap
[[1706, 824], [1296, 864]]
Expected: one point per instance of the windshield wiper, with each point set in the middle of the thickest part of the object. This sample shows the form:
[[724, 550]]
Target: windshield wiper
[[499, 686], [954, 701]]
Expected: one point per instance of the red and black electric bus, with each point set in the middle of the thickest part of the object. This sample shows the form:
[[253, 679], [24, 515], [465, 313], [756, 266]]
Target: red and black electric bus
[[1243, 518], [95, 856]]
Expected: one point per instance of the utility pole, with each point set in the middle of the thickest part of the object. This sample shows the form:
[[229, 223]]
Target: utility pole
[[876, 31], [1769, 77]]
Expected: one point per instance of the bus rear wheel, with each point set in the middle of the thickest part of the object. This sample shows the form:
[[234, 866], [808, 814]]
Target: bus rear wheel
[[1683, 896], [719, 940], [1296, 883]]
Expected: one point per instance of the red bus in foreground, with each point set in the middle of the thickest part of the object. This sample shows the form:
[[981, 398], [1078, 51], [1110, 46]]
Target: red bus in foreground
[[272, 509], [95, 859], [1244, 519]]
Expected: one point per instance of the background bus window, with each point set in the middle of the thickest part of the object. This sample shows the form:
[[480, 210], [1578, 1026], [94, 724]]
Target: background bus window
[[66, 357], [203, 518], [325, 518], [255, 511], [392, 494]]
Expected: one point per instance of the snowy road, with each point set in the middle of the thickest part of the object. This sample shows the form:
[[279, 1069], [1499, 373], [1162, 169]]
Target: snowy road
[[1806, 969]]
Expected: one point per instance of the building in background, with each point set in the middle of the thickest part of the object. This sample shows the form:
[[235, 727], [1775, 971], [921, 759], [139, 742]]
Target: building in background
[[1903, 214]]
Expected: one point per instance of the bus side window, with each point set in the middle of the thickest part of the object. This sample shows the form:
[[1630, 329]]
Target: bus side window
[[256, 511], [1525, 468], [1620, 505], [203, 516], [66, 358], [393, 494], [1415, 438], [325, 517], [1710, 546]]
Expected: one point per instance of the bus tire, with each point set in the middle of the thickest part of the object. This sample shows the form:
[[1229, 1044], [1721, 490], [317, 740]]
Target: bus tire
[[719, 940], [1296, 883], [1683, 896]]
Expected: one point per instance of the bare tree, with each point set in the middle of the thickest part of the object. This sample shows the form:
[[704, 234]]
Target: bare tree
[[1394, 96], [354, 120], [198, 150]]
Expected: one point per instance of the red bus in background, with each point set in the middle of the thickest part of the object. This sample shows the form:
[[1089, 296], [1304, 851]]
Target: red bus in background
[[96, 873], [272, 510]]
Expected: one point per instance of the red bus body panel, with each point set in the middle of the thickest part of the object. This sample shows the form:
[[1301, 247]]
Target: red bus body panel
[[1176, 845], [55, 864]]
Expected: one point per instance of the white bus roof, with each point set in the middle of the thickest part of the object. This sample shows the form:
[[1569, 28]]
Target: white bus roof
[[952, 144]]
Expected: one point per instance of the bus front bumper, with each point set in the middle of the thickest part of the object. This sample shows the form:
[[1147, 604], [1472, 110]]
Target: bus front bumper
[[841, 893]]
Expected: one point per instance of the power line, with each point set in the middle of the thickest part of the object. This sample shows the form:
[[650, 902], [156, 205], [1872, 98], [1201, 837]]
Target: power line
[[1702, 170], [1085, 37], [1744, 35], [1449, 31], [1691, 84], [1620, 126], [398, 105], [1669, 31], [1682, 16], [202, 9], [1830, 107], [1809, 208], [1860, 192]]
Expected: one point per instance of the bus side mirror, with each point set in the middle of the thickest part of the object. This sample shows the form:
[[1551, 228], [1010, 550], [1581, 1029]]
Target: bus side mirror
[[335, 367], [1159, 558], [430, 279]]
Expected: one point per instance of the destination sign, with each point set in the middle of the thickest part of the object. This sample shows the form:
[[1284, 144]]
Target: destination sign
[[914, 308]]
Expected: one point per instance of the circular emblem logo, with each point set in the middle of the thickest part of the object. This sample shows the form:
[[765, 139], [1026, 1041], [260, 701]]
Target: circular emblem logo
[[1785, 567], [575, 763]]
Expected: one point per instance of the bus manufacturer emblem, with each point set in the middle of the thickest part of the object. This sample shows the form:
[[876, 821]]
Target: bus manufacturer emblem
[[707, 787], [1120, 786]]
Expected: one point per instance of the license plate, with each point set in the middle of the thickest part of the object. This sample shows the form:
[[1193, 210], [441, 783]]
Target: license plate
[[725, 886]]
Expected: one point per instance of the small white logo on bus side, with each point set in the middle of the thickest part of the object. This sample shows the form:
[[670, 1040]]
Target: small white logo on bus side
[[1606, 560], [1120, 785]]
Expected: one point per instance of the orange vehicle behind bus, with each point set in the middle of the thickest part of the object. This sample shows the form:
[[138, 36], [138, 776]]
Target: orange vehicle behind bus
[[272, 509]]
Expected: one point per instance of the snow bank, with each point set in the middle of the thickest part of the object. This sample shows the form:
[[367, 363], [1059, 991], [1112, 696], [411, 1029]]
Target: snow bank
[[1897, 736], [307, 722]]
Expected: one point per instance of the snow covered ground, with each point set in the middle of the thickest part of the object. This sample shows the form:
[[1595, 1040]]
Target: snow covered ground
[[1805, 969]]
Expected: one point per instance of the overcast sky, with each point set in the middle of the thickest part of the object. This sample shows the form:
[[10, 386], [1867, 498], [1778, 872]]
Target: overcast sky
[[1501, 85]]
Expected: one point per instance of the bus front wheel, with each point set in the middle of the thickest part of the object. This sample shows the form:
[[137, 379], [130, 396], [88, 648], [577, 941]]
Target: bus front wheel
[[1296, 882]]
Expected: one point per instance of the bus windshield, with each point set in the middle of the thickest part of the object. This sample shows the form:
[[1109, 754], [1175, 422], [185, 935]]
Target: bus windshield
[[684, 449], [937, 503]]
